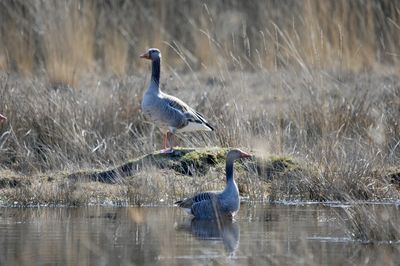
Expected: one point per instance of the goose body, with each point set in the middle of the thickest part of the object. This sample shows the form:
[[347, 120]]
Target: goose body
[[210, 205], [170, 113]]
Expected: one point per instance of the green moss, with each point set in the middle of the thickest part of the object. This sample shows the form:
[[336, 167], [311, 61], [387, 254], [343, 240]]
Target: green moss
[[196, 161], [209, 156], [190, 161], [187, 161]]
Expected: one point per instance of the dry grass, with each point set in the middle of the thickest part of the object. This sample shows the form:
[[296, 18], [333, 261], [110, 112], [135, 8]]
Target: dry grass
[[346, 138], [66, 41], [310, 80], [315, 81]]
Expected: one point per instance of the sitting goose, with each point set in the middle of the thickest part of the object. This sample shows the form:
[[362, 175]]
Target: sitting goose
[[211, 205], [168, 112], [2, 118]]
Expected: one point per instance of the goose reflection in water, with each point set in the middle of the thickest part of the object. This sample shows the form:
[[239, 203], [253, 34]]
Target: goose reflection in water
[[226, 230]]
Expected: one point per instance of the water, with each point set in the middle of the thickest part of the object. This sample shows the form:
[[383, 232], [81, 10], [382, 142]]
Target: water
[[261, 235]]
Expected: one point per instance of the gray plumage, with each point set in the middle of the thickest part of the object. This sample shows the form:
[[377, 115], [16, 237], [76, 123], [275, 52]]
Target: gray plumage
[[210, 205], [168, 112]]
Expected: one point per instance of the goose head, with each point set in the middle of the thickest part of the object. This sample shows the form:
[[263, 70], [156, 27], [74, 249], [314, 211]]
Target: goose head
[[152, 54], [236, 154]]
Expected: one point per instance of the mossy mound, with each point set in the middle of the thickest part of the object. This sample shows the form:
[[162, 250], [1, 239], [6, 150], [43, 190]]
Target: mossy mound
[[189, 161], [186, 161]]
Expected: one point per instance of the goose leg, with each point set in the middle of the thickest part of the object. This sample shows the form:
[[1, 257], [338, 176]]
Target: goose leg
[[167, 142]]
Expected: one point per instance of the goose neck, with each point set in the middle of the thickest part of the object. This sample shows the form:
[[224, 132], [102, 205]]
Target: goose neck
[[155, 71], [229, 170]]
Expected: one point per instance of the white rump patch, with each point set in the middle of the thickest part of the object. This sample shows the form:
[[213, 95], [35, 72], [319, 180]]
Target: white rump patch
[[194, 127]]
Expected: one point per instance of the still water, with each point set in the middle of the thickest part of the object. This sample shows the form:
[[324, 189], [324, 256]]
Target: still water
[[272, 234]]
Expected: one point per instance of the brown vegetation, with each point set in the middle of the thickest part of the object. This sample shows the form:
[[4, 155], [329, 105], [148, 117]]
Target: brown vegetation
[[66, 41], [343, 124], [312, 82]]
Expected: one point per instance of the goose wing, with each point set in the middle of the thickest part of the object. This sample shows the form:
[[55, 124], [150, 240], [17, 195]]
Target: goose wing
[[191, 115], [200, 197]]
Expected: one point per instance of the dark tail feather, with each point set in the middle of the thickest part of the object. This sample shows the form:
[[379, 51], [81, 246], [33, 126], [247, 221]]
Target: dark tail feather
[[204, 121], [210, 126]]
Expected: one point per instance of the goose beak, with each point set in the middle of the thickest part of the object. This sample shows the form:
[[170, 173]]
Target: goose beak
[[245, 155], [145, 56]]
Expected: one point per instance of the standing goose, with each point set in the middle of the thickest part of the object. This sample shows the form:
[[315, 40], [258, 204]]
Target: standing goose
[[211, 205], [171, 114]]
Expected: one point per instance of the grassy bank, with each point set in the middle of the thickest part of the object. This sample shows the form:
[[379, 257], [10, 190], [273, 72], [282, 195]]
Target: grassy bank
[[340, 128]]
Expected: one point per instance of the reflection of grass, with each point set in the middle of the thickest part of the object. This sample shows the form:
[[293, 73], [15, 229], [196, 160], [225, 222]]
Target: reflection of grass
[[376, 224]]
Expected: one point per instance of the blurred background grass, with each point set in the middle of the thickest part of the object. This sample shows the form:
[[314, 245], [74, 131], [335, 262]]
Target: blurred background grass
[[65, 40]]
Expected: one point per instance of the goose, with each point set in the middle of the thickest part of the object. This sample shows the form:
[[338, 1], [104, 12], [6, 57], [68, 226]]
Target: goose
[[171, 114], [211, 205], [2, 118]]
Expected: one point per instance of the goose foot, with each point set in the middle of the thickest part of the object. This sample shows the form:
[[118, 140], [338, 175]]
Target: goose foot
[[167, 151]]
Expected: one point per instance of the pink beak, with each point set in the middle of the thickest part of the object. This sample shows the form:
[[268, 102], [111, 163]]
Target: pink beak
[[245, 155], [145, 55]]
